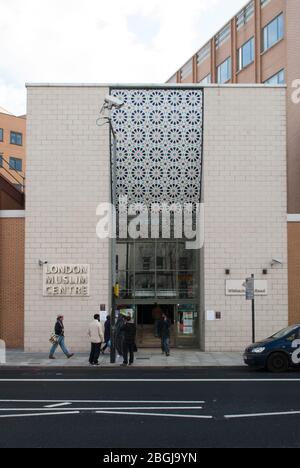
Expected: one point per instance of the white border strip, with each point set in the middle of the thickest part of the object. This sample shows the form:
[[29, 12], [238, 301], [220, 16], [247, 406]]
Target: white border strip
[[12, 213], [293, 218]]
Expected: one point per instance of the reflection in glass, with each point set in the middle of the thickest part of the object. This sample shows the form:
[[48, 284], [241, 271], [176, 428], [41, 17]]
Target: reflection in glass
[[186, 258], [125, 258], [144, 256], [166, 284], [126, 282], [166, 256], [186, 285], [144, 285]]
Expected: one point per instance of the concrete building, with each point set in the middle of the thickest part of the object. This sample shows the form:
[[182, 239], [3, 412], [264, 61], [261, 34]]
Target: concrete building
[[13, 148], [175, 144], [261, 44]]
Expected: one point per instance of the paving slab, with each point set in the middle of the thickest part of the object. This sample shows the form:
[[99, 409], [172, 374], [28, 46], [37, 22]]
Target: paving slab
[[144, 358]]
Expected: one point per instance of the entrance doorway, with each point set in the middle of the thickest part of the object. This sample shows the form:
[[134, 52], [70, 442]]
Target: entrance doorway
[[147, 331]]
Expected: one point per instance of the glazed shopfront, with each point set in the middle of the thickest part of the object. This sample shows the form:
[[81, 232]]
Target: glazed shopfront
[[166, 274], [159, 162]]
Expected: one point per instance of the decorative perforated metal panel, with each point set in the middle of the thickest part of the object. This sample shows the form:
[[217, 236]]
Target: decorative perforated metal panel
[[159, 145]]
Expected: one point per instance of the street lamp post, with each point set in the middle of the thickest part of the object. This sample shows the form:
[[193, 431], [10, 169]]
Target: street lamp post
[[110, 103]]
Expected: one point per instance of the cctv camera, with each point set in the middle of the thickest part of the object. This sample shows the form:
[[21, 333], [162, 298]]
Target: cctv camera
[[276, 261], [113, 101]]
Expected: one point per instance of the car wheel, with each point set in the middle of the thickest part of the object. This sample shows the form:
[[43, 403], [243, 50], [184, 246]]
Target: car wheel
[[277, 363]]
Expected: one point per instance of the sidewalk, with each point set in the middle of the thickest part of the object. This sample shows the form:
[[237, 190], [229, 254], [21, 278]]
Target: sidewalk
[[144, 358]]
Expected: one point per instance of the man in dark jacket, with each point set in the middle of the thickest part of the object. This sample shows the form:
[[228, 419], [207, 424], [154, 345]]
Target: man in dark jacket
[[60, 334], [107, 332], [129, 331], [164, 332], [119, 335]]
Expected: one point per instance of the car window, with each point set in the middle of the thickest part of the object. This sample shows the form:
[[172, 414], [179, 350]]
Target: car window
[[286, 332], [294, 336]]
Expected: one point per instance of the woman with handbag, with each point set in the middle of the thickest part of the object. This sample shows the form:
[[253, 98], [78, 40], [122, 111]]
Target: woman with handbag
[[58, 339]]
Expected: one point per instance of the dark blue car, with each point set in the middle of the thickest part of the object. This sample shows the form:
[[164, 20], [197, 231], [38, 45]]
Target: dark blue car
[[278, 353]]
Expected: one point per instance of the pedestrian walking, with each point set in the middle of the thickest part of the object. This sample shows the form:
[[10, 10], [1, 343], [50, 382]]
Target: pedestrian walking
[[119, 335], [107, 334], [58, 339], [129, 346], [96, 334], [164, 332], [156, 316]]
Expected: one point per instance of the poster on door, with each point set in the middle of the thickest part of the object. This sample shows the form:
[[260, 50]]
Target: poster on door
[[186, 319]]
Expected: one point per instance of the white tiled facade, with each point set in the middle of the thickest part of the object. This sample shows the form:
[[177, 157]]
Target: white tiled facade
[[67, 176], [244, 191], [245, 209]]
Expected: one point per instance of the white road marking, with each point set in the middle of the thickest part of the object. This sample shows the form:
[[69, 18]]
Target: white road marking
[[57, 405], [260, 415], [37, 414], [109, 408], [161, 415], [171, 402], [146, 380]]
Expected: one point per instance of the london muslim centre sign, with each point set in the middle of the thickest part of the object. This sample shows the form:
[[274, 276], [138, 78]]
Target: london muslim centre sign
[[65, 280]]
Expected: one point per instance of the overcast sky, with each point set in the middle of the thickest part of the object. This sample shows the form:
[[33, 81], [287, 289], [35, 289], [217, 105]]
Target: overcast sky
[[139, 41]]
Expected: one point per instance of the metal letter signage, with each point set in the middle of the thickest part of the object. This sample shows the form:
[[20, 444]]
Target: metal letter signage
[[238, 287], [66, 280]]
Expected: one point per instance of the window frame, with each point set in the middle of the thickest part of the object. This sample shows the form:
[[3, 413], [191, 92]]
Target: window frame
[[229, 65], [267, 82], [265, 29], [13, 167], [17, 134], [241, 65]]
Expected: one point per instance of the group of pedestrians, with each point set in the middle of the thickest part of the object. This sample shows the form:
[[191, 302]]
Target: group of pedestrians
[[100, 337], [125, 337]]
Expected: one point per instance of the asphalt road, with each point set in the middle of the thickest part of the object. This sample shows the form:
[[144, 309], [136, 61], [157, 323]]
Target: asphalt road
[[148, 408]]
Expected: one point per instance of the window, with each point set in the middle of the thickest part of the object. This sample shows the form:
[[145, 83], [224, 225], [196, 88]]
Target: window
[[245, 15], [15, 164], [224, 71], [277, 79], [173, 79], [223, 35], [246, 54], [187, 70], [156, 270], [203, 54], [1, 134], [206, 80], [273, 32], [264, 3], [16, 138], [1, 160]]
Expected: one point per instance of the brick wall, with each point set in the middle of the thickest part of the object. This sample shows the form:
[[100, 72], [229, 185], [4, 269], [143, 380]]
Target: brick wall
[[245, 206], [12, 235], [294, 272]]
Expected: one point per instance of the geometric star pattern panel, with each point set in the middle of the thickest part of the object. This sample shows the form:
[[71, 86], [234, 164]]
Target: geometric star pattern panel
[[159, 145]]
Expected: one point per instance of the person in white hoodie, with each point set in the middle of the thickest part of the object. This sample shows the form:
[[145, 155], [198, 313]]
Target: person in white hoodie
[[96, 334]]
